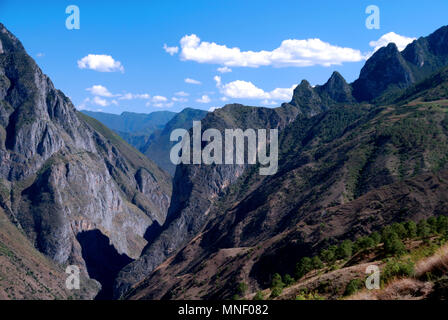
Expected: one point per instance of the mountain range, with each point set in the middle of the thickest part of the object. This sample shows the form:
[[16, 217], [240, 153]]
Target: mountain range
[[65, 176], [353, 159], [150, 133]]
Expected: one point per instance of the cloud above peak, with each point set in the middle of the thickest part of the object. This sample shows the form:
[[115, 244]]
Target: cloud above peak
[[291, 52], [399, 40], [240, 89], [100, 63]]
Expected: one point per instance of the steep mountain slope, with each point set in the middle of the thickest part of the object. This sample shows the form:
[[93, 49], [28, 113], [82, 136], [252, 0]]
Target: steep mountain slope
[[158, 145], [25, 273], [63, 174], [388, 70], [134, 128], [343, 173], [313, 100], [196, 187]]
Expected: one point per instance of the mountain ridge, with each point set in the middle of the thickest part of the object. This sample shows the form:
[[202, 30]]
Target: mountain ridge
[[331, 153], [64, 174]]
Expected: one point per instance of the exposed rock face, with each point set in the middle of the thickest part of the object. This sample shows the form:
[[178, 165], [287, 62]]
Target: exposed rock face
[[195, 188], [313, 100], [63, 173], [386, 69], [389, 70], [336, 89], [307, 99]]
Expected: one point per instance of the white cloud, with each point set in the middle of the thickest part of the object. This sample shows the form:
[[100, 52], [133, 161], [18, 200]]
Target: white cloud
[[175, 99], [159, 99], [399, 40], [163, 105], [224, 99], [102, 91], [170, 50], [224, 69], [292, 52], [217, 80], [132, 96], [211, 109], [204, 99], [241, 89], [100, 62], [100, 102], [40, 55], [192, 81], [99, 90], [160, 102], [182, 94]]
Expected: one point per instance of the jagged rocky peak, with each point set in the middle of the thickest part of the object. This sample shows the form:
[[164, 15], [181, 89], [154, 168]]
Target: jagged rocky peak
[[337, 89], [428, 54], [306, 99], [33, 114], [438, 41], [8, 42], [386, 69], [313, 100]]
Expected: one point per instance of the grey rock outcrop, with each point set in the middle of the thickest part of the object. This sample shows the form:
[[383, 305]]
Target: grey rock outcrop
[[63, 173], [389, 70]]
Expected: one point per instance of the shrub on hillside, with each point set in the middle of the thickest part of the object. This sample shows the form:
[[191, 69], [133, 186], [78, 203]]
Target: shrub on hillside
[[328, 255], [276, 292], [411, 229], [376, 237], [277, 281], [397, 268], [288, 280], [304, 266], [242, 288], [393, 245], [259, 296], [345, 250], [317, 263], [423, 229], [364, 243], [353, 286], [400, 230]]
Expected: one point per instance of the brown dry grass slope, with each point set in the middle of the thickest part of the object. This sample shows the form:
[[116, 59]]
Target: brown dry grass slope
[[25, 273]]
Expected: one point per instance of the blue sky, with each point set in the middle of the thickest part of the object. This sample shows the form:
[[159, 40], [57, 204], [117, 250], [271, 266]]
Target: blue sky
[[245, 36]]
